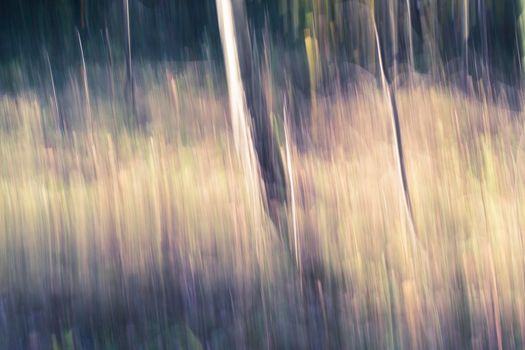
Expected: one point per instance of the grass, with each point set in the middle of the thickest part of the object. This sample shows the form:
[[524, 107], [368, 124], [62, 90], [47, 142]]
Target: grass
[[146, 239]]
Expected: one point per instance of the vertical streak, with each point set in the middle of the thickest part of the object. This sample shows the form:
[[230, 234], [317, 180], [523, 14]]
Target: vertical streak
[[482, 14], [410, 39], [129, 67], [397, 140], [238, 109], [85, 82], [55, 100], [128, 38], [465, 38], [393, 34], [292, 190]]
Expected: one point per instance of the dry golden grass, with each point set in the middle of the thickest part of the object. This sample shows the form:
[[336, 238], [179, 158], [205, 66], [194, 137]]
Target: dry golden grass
[[93, 220]]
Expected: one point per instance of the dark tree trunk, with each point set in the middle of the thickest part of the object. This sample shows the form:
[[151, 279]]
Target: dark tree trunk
[[266, 146]]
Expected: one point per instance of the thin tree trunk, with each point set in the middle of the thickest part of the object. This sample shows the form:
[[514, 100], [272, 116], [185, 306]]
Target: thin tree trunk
[[410, 48], [58, 115], [396, 126], [248, 107], [130, 83], [431, 36], [465, 32], [85, 84], [482, 18]]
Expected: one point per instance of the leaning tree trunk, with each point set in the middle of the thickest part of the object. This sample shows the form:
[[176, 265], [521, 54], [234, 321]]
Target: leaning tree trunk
[[389, 91], [258, 152]]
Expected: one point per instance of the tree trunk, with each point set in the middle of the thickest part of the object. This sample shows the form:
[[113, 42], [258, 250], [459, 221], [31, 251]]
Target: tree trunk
[[248, 104], [130, 83]]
